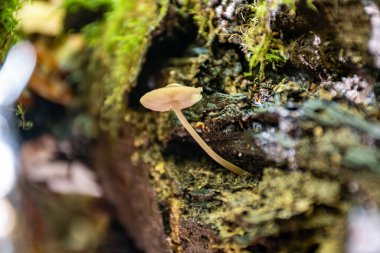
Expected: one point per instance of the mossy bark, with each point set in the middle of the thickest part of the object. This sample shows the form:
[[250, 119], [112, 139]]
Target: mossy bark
[[302, 117], [8, 24]]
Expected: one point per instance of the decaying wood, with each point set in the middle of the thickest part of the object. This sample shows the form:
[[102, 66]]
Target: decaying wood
[[308, 132]]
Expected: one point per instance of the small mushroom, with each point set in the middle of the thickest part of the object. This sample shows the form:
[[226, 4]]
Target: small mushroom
[[176, 97]]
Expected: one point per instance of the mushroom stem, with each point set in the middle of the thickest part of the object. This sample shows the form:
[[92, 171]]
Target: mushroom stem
[[226, 164]]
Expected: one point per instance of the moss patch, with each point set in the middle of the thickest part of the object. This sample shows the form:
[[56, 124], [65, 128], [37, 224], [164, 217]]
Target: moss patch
[[121, 43], [8, 24]]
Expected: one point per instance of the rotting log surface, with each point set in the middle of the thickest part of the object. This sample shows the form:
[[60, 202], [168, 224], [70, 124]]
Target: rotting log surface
[[307, 130], [127, 188]]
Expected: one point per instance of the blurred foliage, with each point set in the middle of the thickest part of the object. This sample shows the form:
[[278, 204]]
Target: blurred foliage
[[8, 23], [75, 5]]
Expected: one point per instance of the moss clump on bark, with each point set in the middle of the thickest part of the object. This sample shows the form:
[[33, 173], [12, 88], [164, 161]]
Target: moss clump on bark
[[75, 5], [120, 43], [8, 23]]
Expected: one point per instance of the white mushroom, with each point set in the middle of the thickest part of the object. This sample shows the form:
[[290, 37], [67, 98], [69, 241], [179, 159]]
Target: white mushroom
[[176, 97]]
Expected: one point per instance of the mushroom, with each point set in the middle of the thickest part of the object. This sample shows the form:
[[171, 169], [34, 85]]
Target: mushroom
[[176, 97]]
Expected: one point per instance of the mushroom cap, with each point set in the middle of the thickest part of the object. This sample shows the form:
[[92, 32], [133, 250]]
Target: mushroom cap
[[172, 96]]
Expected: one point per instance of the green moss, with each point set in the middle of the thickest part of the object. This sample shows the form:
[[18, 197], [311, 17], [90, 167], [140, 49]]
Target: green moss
[[74, 5], [8, 24], [260, 44], [125, 42], [121, 42]]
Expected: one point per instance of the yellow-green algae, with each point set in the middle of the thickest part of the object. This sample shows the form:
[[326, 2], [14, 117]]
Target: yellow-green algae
[[8, 23]]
